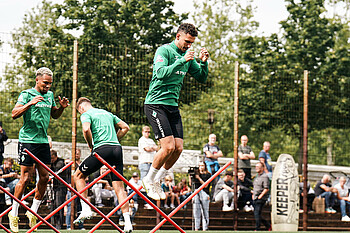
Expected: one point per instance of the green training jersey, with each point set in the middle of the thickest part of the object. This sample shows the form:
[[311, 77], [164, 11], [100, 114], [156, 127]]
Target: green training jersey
[[102, 125], [169, 70], [37, 118]]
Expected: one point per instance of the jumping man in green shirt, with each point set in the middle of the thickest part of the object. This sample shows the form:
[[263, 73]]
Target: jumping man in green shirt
[[36, 105], [170, 65]]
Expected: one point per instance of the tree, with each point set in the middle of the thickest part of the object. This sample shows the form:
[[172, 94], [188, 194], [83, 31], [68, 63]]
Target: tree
[[307, 41], [116, 41]]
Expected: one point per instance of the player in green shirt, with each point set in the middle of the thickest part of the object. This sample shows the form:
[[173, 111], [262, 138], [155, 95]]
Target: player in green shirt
[[102, 131], [36, 105], [171, 64]]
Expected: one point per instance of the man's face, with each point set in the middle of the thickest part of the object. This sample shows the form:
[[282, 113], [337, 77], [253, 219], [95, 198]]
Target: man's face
[[53, 158], [77, 155], [229, 177], [266, 147], [43, 83], [146, 132], [212, 139], [184, 41], [241, 175], [342, 181], [259, 168], [244, 141]]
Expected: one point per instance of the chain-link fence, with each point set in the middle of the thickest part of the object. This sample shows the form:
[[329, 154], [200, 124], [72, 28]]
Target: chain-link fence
[[117, 79]]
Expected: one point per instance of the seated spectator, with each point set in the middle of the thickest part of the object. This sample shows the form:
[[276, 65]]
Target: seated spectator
[[103, 188], [9, 176], [325, 190], [246, 187], [310, 197], [2, 197], [168, 190], [224, 191], [343, 198], [185, 190], [136, 182]]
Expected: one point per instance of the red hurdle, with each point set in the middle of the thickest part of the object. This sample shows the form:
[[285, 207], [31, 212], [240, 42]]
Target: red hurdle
[[31, 192], [139, 193], [73, 190], [26, 207], [114, 210], [3, 227], [70, 200], [191, 196]]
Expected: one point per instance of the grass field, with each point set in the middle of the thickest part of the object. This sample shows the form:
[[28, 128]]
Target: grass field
[[160, 231]]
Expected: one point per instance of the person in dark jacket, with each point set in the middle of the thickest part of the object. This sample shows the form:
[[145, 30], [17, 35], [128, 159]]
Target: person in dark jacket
[[245, 200]]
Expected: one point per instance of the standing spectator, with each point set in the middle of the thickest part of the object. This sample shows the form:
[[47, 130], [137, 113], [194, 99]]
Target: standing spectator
[[265, 158], [36, 105], [9, 176], [3, 138], [147, 150], [103, 188], [172, 62], [343, 197], [168, 190], [211, 154], [245, 187], [325, 190], [260, 194], [245, 154], [60, 190], [224, 191], [202, 199]]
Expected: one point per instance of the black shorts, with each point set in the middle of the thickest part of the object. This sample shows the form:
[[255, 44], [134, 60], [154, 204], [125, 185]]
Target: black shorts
[[39, 150], [113, 155], [165, 120]]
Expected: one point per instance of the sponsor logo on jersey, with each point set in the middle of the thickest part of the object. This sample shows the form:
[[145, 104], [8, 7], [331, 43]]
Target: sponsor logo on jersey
[[159, 59]]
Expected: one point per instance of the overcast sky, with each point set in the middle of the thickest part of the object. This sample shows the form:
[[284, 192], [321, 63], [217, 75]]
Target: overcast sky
[[269, 13]]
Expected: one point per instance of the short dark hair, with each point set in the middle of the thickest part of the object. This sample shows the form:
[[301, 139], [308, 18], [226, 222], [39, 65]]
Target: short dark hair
[[188, 28], [82, 100], [229, 173], [54, 153]]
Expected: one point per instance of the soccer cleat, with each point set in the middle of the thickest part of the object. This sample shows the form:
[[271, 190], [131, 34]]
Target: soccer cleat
[[13, 222], [32, 219], [128, 228], [82, 217], [159, 190], [150, 189]]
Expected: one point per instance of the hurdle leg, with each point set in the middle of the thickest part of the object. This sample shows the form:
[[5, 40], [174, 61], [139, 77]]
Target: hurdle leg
[[32, 191], [70, 200], [138, 192], [191, 196], [113, 211], [26, 207], [5, 229], [73, 190]]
